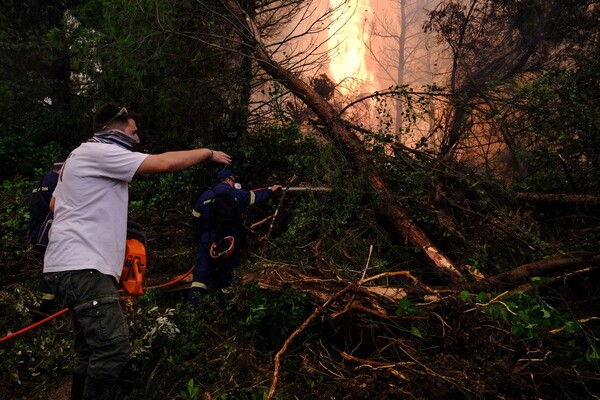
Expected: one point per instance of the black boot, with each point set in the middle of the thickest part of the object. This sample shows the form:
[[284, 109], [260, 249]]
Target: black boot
[[77, 386], [96, 389]]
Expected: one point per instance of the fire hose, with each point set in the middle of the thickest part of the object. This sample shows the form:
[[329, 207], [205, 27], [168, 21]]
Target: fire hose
[[64, 310], [306, 189]]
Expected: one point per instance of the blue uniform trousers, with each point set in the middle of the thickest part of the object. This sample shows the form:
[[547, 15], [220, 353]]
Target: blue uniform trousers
[[210, 273]]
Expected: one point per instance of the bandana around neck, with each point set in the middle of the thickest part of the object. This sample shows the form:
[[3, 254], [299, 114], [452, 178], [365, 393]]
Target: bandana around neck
[[114, 137]]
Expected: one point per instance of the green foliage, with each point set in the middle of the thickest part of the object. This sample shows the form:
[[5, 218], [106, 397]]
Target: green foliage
[[308, 217], [406, 307], [416, 332], [156, 192], [563, 111], [259, 393], [529, 315], [453, 206], [14, 217], [592, 355], [532, 317], [379, 140], [272, 318], [192, 391], [40, 116], [283, 151], [45, 354], [176, 78], [159, 334], [152, 328], [42, 354]]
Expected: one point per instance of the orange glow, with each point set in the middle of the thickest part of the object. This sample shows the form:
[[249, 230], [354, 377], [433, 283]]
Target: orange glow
[[347, 36]]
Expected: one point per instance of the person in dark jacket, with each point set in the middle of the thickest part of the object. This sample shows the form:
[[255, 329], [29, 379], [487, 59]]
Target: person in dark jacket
[[218, 244], [39, 208], [39, 205]]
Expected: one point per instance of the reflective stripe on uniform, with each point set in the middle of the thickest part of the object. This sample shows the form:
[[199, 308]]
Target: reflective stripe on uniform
[[48, 296], [196, 214], [252, 198], [199, 285]]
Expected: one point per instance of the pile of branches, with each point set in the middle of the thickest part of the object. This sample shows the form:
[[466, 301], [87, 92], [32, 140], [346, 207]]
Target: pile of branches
[[438, 346]]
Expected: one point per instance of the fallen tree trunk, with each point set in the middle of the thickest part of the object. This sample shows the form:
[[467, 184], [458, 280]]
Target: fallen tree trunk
[[354, 147], [321, 288], [522, 274]]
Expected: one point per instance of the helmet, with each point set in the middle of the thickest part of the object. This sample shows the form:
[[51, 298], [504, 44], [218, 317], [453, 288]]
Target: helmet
[[223, 249]]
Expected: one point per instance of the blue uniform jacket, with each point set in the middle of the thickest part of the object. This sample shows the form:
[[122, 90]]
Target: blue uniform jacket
[[244, 198], [38, 205]]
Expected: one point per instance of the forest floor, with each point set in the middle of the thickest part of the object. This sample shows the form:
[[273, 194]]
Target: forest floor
[[453, 351], [308, 333]]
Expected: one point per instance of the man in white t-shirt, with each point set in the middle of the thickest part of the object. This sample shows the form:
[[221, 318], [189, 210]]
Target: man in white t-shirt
[[84, 257]]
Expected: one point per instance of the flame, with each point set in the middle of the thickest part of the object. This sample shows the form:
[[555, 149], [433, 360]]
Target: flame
[[347, 37]]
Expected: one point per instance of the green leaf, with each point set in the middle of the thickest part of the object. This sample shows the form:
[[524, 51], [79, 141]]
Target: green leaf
[[572, 327], [482, 297], [592, 354], [416, 332]]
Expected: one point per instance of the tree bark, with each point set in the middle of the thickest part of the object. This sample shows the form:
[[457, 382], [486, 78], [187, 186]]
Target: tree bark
[[523, 274], [325, 111]]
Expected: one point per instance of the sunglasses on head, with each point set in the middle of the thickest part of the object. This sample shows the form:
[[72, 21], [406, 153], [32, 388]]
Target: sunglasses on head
[[122, 113]]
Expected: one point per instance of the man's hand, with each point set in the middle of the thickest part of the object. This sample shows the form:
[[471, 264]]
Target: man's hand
[[220, 157], [275, 188]]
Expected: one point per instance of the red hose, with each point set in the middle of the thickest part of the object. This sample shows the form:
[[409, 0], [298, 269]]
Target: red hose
[[30, 327], [64, 310], [174, 281]]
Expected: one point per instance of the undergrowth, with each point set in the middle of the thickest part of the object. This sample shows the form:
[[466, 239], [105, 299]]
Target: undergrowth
[[465, 347]]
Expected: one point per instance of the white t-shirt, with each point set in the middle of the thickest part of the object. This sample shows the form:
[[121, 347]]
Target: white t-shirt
[[90, 213]]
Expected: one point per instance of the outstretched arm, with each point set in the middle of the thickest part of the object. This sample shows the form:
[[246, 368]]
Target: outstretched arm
[[177, 160]]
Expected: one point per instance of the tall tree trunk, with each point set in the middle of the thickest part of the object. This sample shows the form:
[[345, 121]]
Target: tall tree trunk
[[401, 62]]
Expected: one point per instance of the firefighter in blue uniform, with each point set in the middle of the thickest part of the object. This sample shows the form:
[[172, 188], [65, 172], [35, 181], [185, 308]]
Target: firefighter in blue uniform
[[38, 211], [218, 251]]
